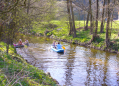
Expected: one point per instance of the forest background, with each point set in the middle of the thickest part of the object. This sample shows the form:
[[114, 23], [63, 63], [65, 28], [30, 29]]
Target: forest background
[[92, 23]]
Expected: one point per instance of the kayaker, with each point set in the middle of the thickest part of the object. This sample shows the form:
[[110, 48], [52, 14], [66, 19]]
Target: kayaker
[[14, 44], [59, 46], [20, 42], [26, 42], [53, 44]]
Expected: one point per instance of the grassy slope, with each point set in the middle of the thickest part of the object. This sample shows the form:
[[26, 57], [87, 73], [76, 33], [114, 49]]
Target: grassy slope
[[14, 71], [82, 36]]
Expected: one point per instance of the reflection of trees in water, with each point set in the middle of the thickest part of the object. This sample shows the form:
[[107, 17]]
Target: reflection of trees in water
[[105, 68], [70, 65], [94, 73], [111, 68], [117, 74], [96, 70]]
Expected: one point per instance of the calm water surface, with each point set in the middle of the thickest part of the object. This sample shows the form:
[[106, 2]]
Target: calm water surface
[[78, 66]]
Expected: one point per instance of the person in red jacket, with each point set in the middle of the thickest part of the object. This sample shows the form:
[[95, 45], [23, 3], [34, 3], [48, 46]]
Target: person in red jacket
[[20, 42]]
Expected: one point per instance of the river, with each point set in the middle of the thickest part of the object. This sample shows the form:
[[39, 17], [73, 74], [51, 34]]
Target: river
[[78, 66]]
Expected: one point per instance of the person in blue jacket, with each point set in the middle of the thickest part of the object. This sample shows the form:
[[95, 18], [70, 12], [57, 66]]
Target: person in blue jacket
[[59, 46]]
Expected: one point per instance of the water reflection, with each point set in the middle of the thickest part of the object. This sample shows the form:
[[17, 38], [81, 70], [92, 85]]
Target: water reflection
[[105, 69], [78, 66], [70, 65]]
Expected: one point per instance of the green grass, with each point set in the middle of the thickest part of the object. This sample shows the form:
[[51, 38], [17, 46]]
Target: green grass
[[14, 71], [62, 31]]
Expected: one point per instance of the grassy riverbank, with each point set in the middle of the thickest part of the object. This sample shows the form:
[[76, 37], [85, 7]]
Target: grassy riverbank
[[59, 30], [15, 71]]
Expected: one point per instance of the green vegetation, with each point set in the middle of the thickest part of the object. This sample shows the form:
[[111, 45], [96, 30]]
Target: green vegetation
[[15, 71], [59, 30]]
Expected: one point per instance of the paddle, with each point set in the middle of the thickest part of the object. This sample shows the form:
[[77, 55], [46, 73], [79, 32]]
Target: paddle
[[25, 46], [63, 47]]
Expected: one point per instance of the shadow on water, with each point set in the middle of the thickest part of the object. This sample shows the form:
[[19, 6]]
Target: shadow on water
[[78, 66]]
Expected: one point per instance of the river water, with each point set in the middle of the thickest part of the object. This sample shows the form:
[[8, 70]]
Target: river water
[[78, 66]]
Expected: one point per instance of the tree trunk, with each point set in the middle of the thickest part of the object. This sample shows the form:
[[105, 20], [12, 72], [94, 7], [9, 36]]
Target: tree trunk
[[84, 18], [12, 27], [91, 24], [95, 36], [73, 21], [69, 15], [107, 27], [102, 21], [7, 47], [86, 27], [28, 7], [8, 39], [112, 17], [1, 31], [96, 19]]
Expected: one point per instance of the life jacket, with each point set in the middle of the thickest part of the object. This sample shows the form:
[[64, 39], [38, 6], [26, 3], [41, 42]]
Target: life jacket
[[20, 42]]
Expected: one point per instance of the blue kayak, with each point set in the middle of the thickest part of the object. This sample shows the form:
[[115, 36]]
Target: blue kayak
[[57, 50]]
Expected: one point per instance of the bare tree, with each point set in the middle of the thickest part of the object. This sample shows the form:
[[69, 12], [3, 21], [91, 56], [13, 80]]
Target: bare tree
[[73, 21], [96, 18], [91, 17], [102, 21], [86, 27], [71, 18], [107, 40], [28, 7], [95, 36]]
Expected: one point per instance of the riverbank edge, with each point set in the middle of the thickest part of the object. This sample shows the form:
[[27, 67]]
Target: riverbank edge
[[19, 59], [85, 44], [33, 64], [88, 44]]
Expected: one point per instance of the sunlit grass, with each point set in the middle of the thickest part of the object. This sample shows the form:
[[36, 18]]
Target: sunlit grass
[[62, 31]]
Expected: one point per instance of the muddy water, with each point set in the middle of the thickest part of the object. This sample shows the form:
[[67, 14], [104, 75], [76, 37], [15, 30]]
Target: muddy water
[[78, 66]]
